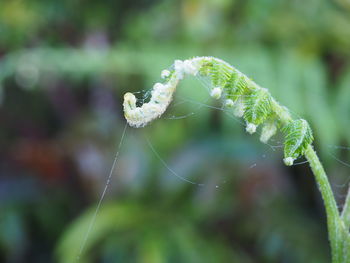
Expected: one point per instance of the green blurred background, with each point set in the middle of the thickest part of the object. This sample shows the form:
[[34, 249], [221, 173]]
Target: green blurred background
[[64, 67]]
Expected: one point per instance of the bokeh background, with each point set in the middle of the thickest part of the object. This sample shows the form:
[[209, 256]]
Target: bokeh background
[[64, 67]]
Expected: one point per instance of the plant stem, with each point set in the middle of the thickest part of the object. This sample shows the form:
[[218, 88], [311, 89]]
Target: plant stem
[[333, 217], [345, 216]]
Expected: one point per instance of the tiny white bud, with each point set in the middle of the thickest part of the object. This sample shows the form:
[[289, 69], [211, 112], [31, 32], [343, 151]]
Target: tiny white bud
[[129, 101], [197, 63], [251, 128], [179, 68], [158, 86], [216, 93], [288, 161], [178, 64], [229, 103], [268, 130], [239, 108], [189, 68], [165, 73]]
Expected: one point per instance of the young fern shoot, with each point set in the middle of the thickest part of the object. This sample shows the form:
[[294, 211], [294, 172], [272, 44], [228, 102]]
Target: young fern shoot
[[245, 97], [258, 108]]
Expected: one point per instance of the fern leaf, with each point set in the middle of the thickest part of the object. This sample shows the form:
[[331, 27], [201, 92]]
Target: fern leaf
[[219, 74], [298, 138], [258, 106], [234, 86]]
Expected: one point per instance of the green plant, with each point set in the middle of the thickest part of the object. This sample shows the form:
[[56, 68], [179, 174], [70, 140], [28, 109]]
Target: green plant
[[257, 107]]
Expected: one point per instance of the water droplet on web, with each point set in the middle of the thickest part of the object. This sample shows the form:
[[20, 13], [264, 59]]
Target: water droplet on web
[[252, 166]]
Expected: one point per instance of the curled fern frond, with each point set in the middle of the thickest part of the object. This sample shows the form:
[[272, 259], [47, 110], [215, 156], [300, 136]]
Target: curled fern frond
[[247, 99]]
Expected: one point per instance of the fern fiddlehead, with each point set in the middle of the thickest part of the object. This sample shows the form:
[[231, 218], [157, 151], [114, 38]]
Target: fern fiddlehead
[[248, 100], [257, 107]]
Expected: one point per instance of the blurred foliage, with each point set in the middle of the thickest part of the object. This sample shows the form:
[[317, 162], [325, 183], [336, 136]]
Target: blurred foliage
[[64, 68]]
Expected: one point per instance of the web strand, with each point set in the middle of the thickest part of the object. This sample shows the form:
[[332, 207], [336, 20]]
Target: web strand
[[338, 160], [167, 166], [93, 219]]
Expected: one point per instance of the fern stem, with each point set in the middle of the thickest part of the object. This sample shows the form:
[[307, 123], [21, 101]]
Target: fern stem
[[334, 223], [333, 217], [345, 216]]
